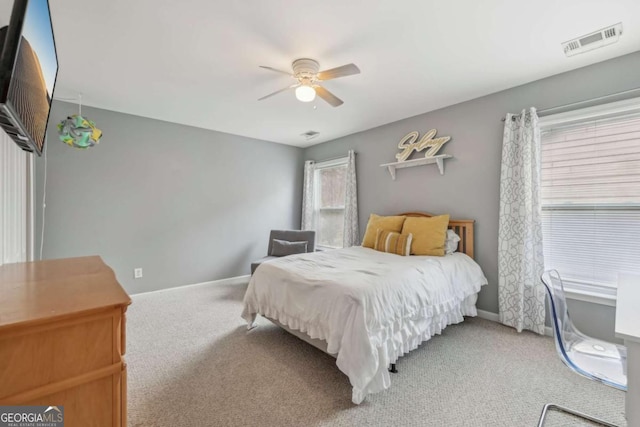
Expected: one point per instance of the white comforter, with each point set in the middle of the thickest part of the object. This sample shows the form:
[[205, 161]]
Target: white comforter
[[371, 307]]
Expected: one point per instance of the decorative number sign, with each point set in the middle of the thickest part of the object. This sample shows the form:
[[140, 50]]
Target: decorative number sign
[[410, 143]]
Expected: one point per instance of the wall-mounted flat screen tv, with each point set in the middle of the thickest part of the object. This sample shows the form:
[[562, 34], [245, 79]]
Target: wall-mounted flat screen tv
[[28, 70]]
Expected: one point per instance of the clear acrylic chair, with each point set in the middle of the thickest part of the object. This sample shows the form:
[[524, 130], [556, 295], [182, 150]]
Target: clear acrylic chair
[[595, 359]]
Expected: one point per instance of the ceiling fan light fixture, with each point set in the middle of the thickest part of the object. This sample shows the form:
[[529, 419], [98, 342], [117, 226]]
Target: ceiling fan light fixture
[[305, 93], [309, 80]]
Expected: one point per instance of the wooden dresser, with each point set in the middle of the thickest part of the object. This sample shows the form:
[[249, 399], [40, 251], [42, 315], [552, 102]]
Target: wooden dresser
[[62, 339]]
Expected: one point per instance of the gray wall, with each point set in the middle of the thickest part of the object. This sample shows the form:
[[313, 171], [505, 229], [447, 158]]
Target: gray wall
[[187, 205], [470, 186]]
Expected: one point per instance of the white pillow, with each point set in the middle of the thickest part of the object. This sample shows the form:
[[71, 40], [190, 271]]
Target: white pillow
[[451, 244]]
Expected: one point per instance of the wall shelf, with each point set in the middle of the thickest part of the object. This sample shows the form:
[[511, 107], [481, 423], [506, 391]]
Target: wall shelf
[[439, 160]]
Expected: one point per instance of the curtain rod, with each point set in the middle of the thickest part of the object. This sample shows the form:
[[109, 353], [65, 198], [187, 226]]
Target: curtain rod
[[546, 110], [334, 158]]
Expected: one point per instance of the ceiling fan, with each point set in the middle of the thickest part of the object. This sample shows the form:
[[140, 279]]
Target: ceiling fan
[[305, 71]]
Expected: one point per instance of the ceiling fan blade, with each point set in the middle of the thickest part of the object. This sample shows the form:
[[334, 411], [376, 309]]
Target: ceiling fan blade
[[278, 91], [276, 70], [334, 73], [328, 96]]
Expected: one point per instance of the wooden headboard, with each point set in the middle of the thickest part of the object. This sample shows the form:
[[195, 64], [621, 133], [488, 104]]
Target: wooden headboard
[[462, 227]]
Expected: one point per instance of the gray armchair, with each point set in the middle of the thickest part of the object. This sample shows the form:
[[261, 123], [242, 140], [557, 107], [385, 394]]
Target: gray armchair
[[308, 236]]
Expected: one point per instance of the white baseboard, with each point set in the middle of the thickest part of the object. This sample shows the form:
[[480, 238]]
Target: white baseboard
[[488, 315], [494, 317], [237, 280]]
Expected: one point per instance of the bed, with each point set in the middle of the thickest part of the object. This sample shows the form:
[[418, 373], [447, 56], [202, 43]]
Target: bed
[[364, 307]]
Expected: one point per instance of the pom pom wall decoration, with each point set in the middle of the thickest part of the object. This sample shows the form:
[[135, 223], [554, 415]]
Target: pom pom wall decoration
[[79, 132]]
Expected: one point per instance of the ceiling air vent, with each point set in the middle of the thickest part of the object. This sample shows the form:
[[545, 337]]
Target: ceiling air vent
[[600, 38], [310, 134]]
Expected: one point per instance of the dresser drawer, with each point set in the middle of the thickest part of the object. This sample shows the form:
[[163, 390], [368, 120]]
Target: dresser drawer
[[48, 354], [90, 404]]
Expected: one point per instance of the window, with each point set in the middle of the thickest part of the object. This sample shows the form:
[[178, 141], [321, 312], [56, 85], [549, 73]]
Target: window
[[590, 195], [329, 193]]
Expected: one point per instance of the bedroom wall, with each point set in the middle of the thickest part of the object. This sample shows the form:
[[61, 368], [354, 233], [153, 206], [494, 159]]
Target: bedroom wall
[[470, 186], [188, 205]]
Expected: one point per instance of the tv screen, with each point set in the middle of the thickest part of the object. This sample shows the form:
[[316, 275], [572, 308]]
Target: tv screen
[[28, 70]]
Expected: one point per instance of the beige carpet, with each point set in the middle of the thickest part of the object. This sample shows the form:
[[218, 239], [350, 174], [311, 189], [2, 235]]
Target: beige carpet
[[192, 363]]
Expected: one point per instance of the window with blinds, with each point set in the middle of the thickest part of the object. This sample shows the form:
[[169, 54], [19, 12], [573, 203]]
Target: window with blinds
[[590, 196], [330, 189]]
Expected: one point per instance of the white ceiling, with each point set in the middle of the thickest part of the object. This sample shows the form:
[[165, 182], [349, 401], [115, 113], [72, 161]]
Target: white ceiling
[[196, 62]]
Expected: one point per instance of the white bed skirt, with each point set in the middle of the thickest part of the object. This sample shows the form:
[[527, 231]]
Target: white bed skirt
[[393, 345], [469, 309]]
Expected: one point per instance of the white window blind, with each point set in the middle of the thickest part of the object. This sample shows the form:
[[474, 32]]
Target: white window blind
[[14, 202], [590, 194], [330, 188]]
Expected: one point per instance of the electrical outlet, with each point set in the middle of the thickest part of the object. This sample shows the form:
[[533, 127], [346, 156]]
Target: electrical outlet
[[137, 273]]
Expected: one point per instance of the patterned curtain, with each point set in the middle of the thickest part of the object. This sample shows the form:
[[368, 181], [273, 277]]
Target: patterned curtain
[[350, 232], [307, 196], [521, 295]]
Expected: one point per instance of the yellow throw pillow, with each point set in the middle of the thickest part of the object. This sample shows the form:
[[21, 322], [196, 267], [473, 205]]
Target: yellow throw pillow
[[393, 243], [429, 234], [391, 223]]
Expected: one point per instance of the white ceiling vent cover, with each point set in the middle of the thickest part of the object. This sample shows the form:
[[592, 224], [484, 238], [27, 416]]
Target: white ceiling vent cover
[[600, 38], [310, 134]]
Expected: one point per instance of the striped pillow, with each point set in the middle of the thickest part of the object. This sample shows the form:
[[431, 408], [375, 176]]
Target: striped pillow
[[393, 242]]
